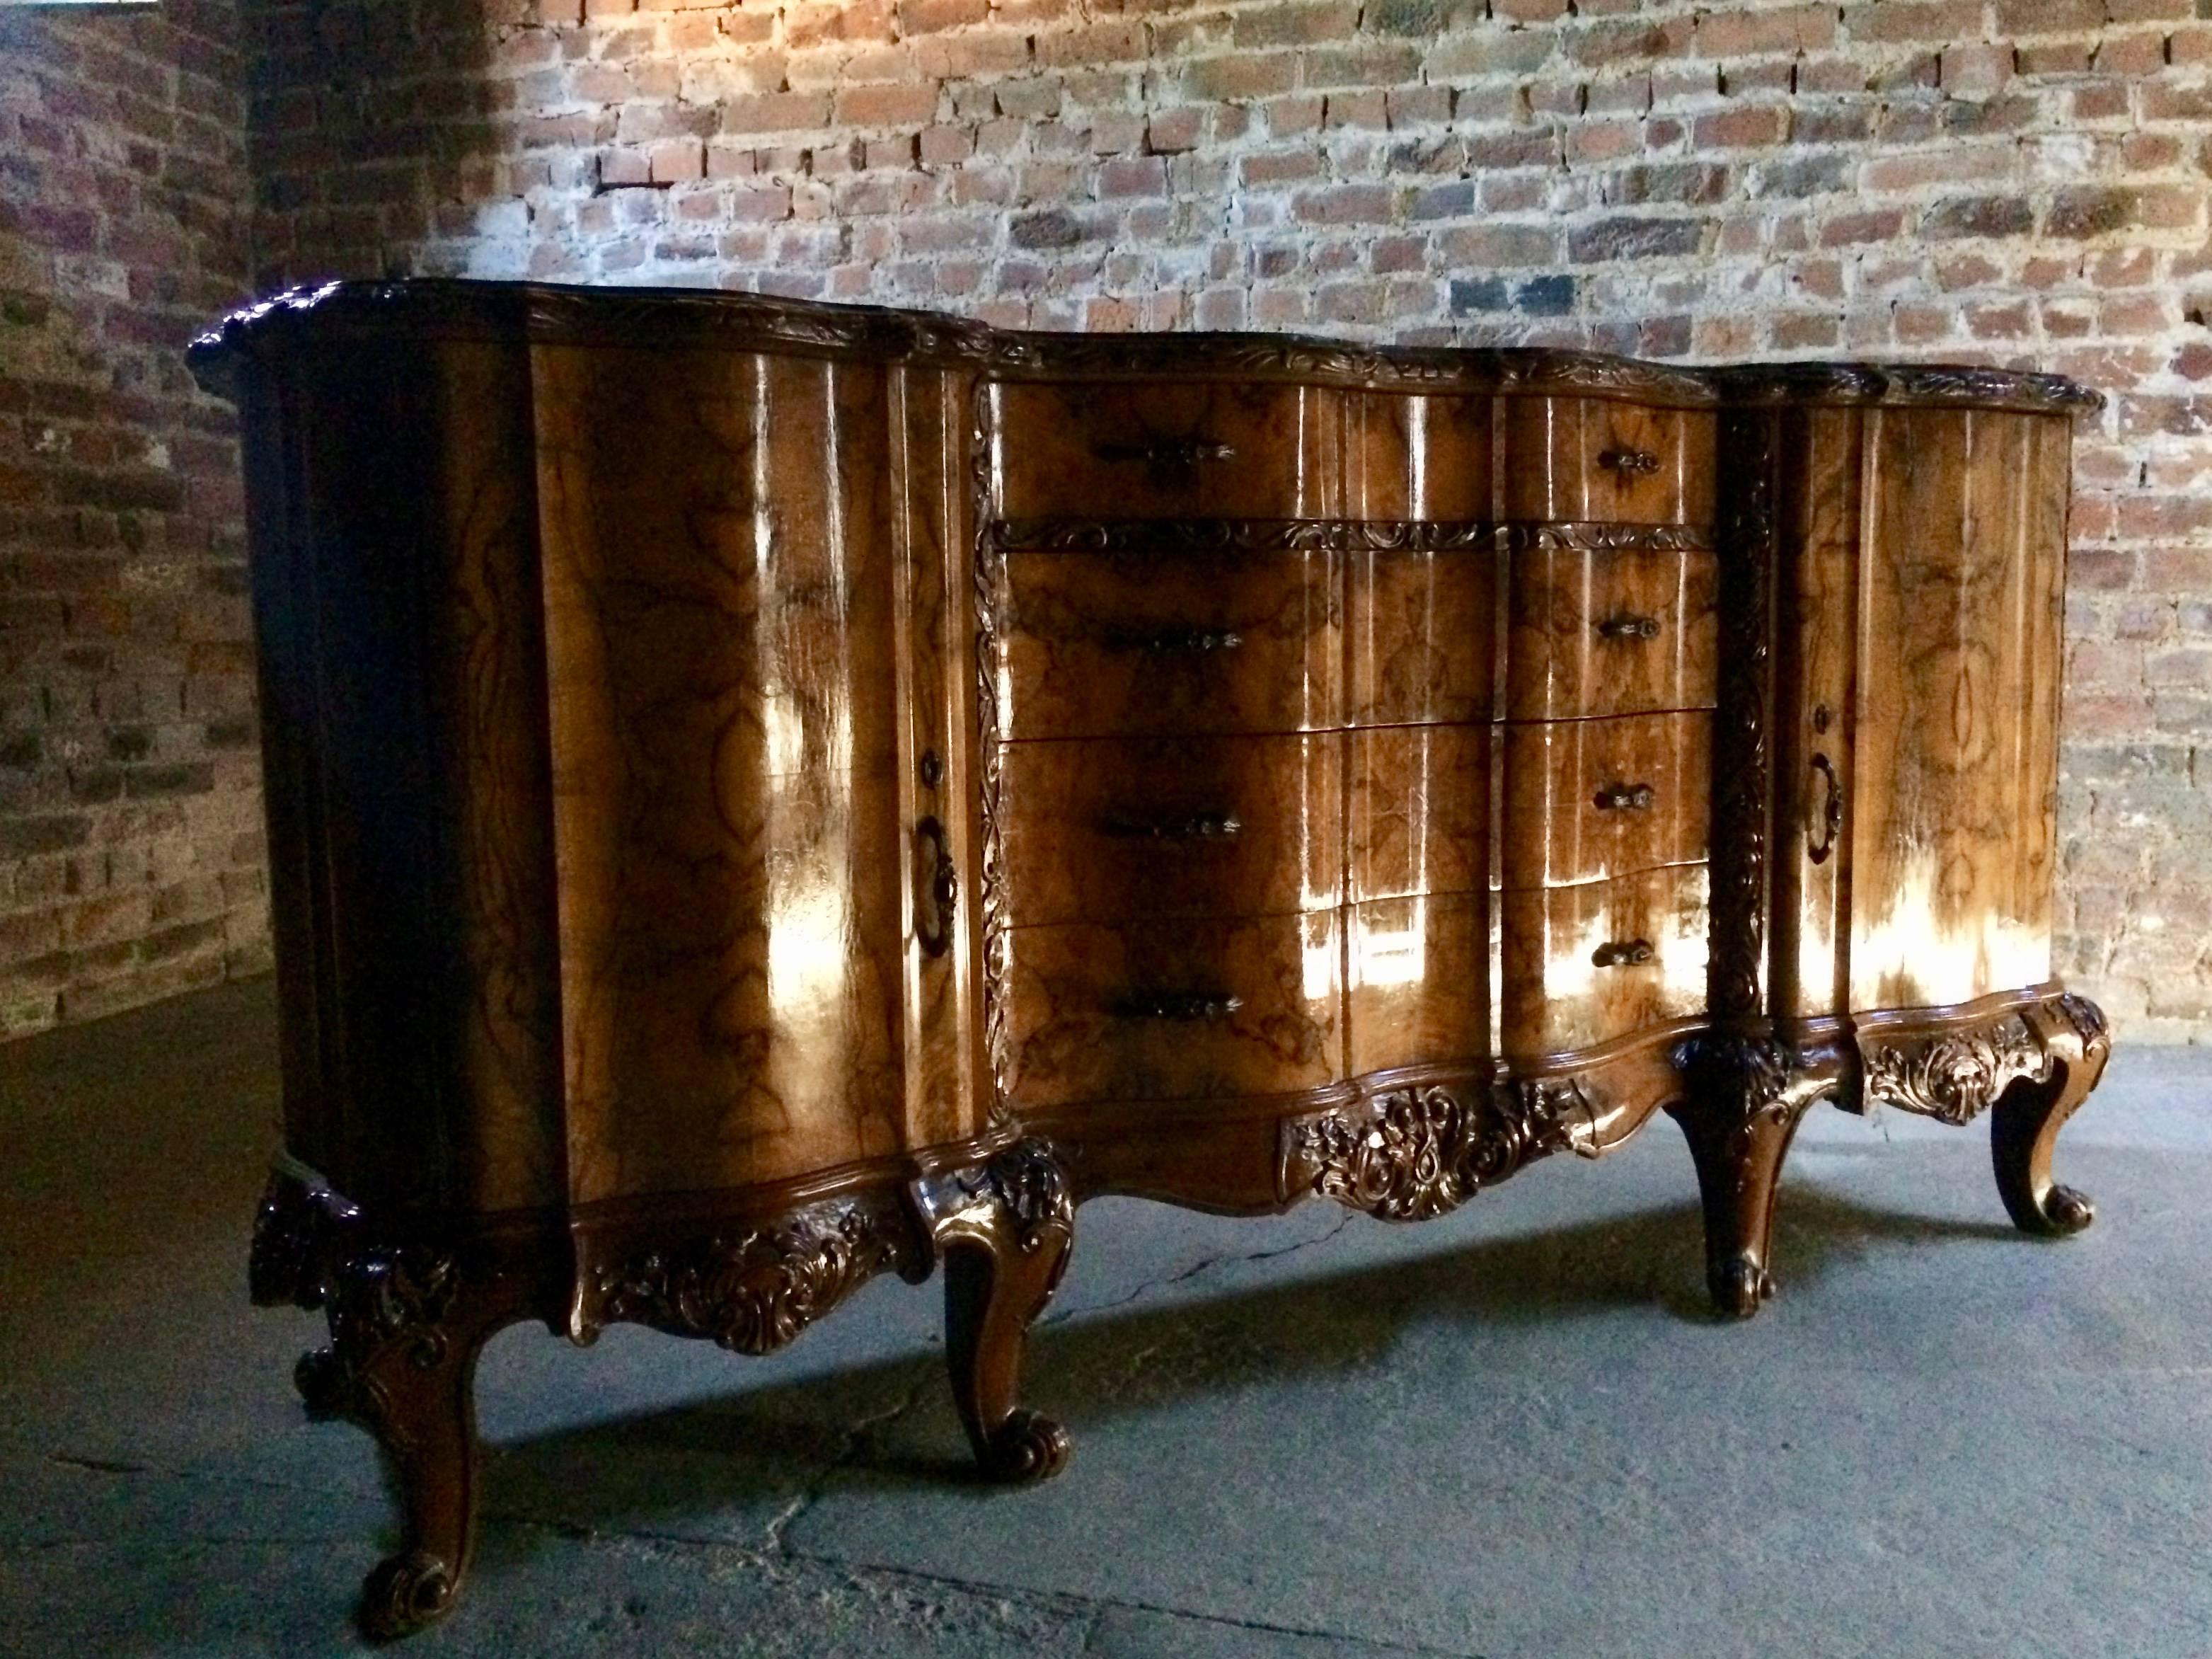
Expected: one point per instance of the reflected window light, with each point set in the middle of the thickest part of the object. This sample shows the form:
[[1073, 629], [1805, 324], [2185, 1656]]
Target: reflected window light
[[1390, 955]]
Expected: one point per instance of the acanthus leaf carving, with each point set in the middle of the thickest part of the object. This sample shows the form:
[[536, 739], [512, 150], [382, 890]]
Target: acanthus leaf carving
[[1955, 1075], [1422, 1151], [755, 1289]]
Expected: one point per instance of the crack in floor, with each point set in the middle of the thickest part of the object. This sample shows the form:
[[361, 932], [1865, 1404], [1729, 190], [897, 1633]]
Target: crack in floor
[[1062, 1316]]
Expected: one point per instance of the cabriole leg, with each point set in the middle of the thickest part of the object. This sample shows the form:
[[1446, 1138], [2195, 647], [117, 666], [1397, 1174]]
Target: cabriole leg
[[406, 1326], [1004, 1234], [2024, 1125], [2034, 1065], [1745, 1098]]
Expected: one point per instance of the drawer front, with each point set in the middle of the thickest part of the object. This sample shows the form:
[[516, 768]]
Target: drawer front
[[1118, 829], [1154, 1011], [1419, 810], [1422, 630], [1593, 458], [1584, 965], [1161, 641], [1191, 449], [1586, 800], [1595, 632], [1417, 981]]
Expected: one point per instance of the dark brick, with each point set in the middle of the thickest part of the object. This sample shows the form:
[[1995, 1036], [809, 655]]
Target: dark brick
[[22, 837], [152, 782], [1979, 216], [1052, 228], [1443, 201], [1546, 296], [1634, 238], [130, 742], [1470, 295], [2077, 214]]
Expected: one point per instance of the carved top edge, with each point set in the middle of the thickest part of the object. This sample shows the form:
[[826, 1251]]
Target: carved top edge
[[668, 317]]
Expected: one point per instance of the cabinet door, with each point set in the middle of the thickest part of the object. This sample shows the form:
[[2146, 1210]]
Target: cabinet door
[[1953, 741], [735, 761]]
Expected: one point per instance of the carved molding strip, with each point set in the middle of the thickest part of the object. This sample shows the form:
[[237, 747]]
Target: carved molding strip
[[753, 1291], [1203, 536], [988, 578], [1741, 761], [1421, 1152], [1957, 1072], [650, 317]]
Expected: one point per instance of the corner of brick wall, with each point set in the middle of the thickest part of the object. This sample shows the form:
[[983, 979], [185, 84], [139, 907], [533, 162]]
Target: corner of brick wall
[[130, 841]]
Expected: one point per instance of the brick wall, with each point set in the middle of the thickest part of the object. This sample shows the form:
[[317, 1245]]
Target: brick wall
[[131, 848]]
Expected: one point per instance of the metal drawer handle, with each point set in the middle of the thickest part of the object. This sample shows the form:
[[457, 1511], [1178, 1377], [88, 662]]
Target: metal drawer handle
[[1629, 626], [1618, 953], [1169, 455], [1184, 642], [1630, 460], [1830, 822], [1188, 1007], [937, 887], [1626, 797], [1191, 826]]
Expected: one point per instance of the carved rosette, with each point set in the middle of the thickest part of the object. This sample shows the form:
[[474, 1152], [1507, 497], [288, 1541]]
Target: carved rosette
[[753, 1291], [1420, 1152], [1957, 1074]]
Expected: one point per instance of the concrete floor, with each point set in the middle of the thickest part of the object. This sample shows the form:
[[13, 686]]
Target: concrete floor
[[1511, 1432]]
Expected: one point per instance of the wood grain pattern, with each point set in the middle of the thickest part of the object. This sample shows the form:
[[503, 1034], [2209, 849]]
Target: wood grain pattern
[[1558, 772], [1418, 804], [1577, 459], [1419, 628], [1080, 1034], [1817, 657], [1118, 829], [1562, 662], [1557, 999], [1108, 644], [1417, 980], [1215, 449], [1954, 734], [719, 605]]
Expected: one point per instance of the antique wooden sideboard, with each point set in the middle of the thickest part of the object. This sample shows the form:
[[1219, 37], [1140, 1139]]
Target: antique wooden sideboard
[[764, 794]]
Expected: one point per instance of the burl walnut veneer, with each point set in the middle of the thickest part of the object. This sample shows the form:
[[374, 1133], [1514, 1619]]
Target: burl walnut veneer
[[764, 794]]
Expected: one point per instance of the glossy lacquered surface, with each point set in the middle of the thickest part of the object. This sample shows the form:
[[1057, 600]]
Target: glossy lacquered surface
[[763, 795]]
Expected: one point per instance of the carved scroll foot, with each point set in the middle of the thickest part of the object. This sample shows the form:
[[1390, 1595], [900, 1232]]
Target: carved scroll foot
[[2024, 1127], [406, 1326], [1745, 1096], [2034, 1065], [1005, 1233]]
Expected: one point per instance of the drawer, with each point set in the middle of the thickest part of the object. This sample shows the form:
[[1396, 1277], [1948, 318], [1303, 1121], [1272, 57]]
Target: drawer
[[1596, 459], [1117, 830], [1584, 965], [1590, 799], [1417, 808], [1596, 632], [1160, 641], [1417, 981], [1421, 630], [1205, 449], [1165, 1011]]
